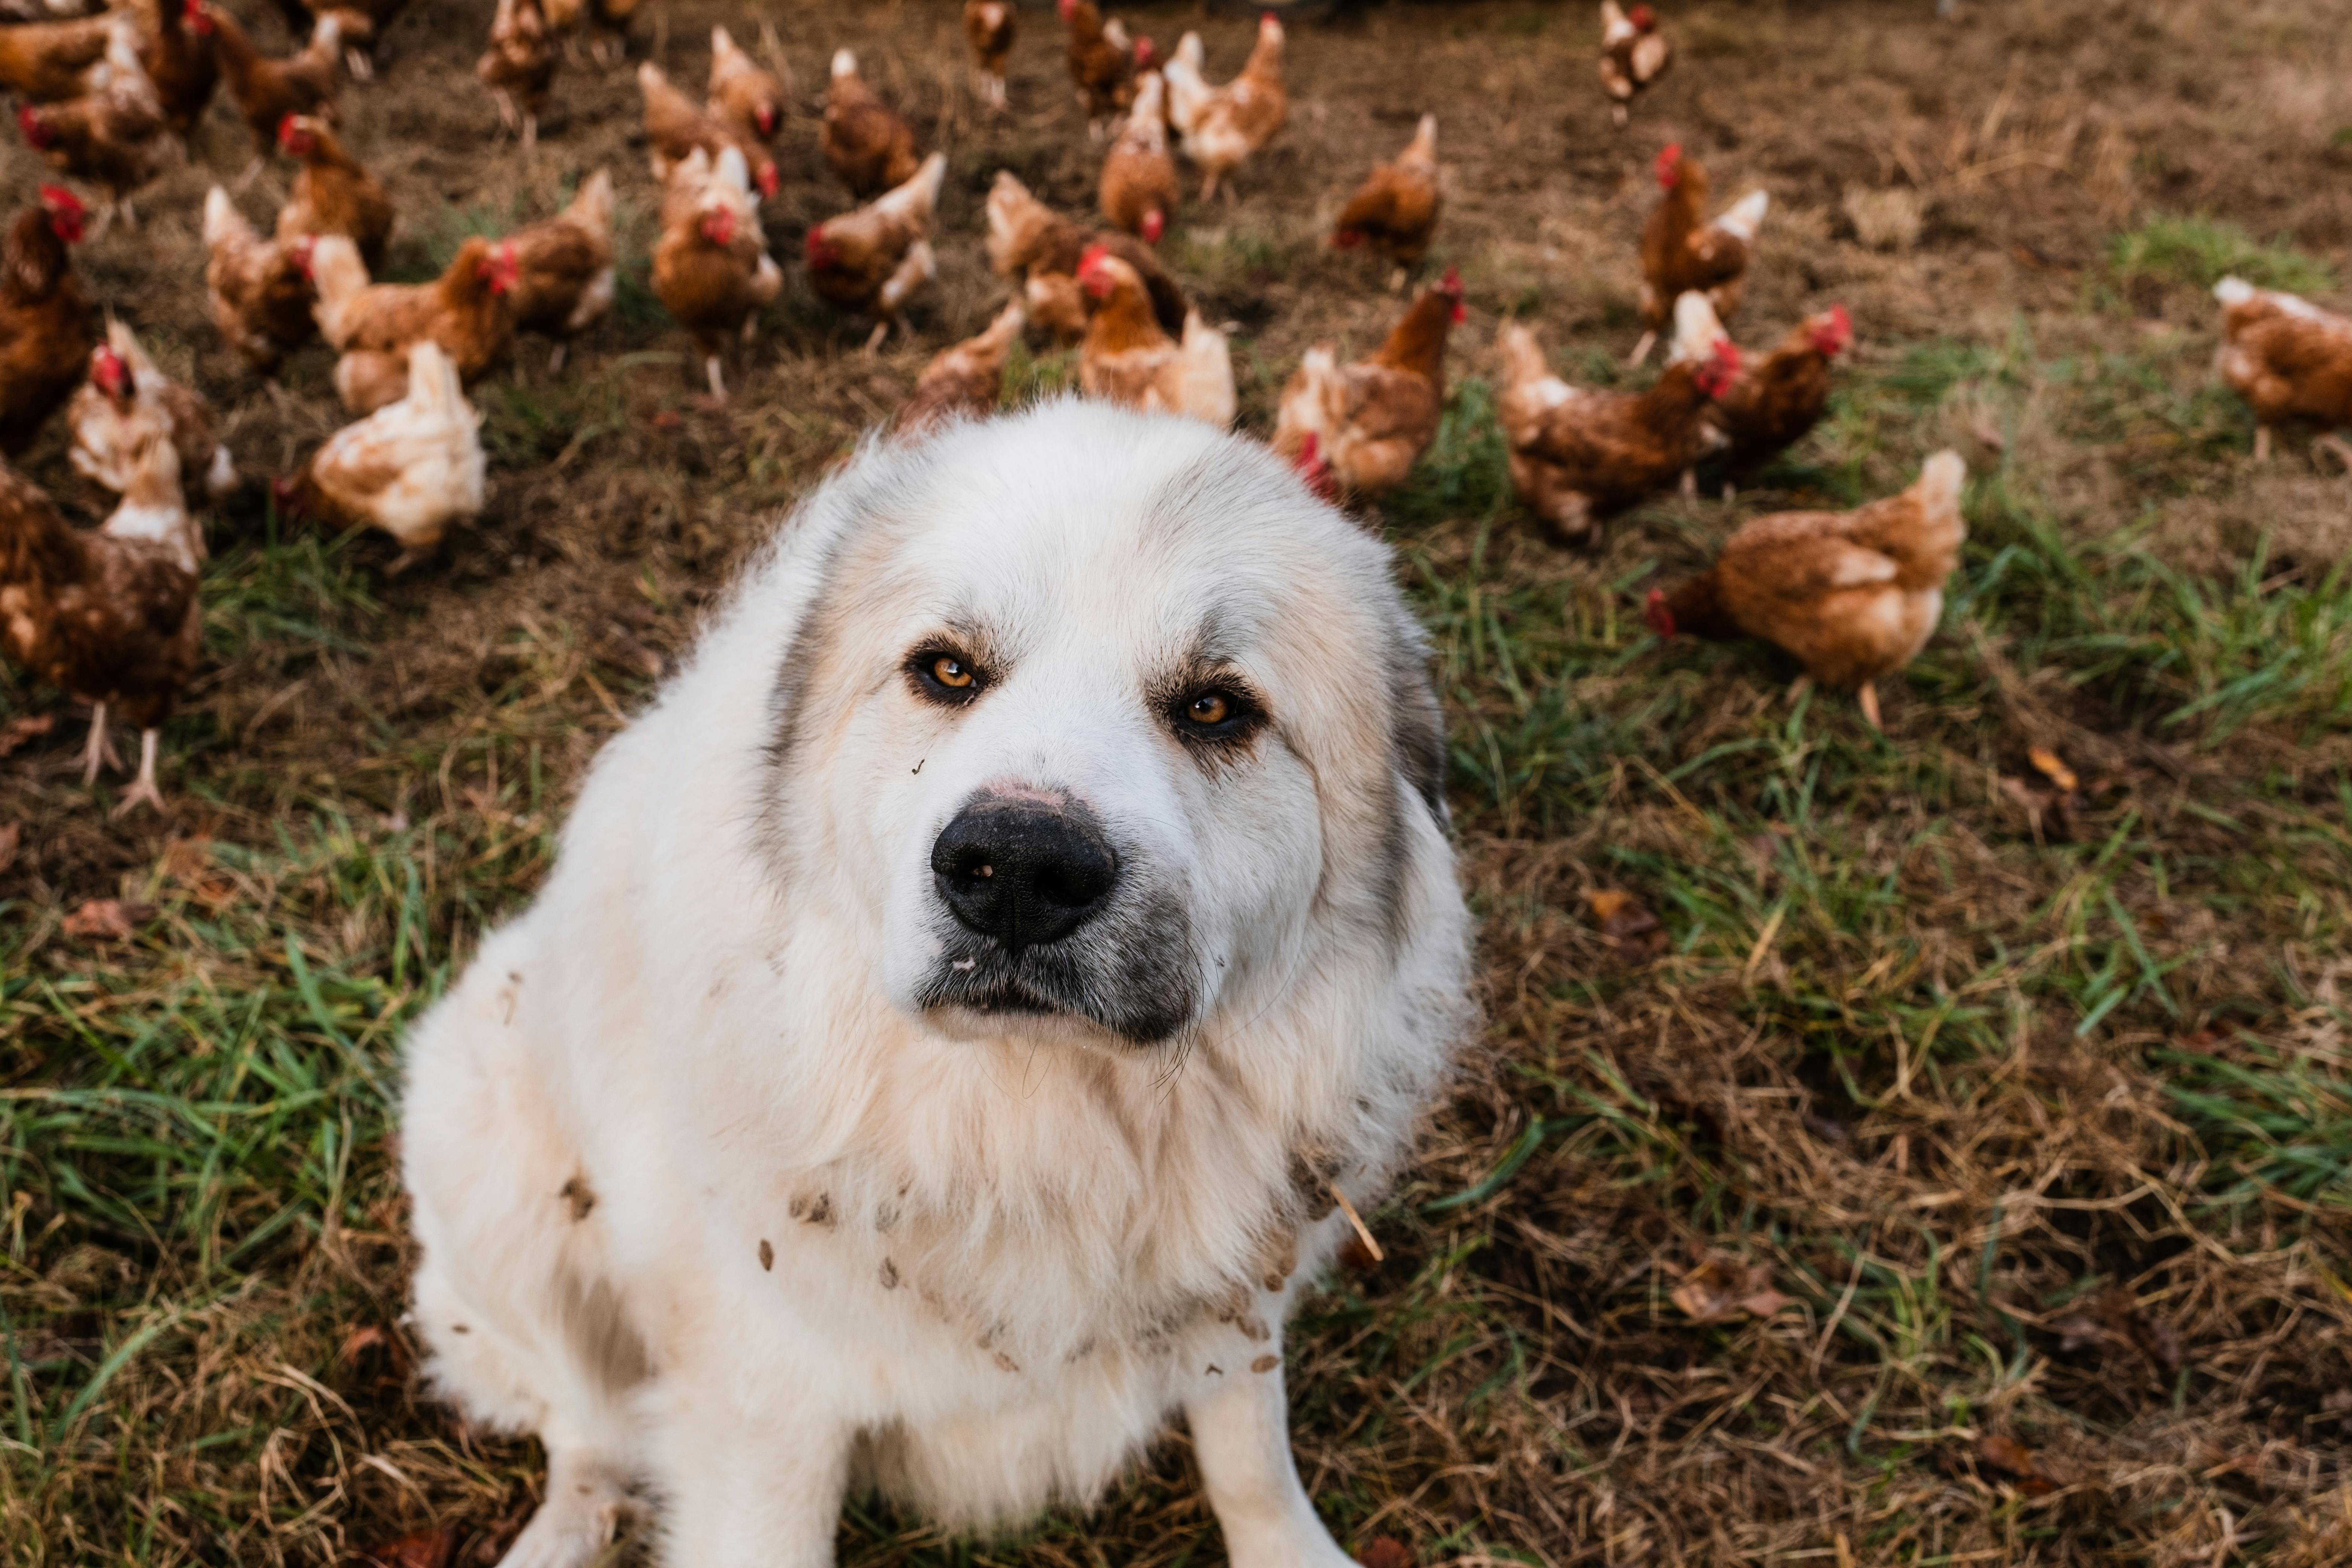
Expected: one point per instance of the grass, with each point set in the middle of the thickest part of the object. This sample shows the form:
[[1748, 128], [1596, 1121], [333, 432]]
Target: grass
[[1951, 1059], [2200, 251]]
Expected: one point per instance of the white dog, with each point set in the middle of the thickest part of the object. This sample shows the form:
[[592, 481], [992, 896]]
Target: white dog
[[957, 1010]]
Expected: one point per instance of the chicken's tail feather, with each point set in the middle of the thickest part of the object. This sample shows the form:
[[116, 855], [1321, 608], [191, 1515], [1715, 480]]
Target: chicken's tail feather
[[2235, 291]]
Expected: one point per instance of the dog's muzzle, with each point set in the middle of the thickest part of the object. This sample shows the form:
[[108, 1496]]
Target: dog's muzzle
[[1047, 919]]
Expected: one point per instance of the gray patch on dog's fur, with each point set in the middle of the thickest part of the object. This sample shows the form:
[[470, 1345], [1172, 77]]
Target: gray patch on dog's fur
[[595, 1321]]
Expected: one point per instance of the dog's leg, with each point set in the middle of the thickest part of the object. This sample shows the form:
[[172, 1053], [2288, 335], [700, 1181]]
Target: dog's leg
[[742, 1490], [585, 1497], [1240, 1434]]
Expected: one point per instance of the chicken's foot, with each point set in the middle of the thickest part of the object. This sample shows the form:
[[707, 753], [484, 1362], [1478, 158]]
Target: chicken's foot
[[1868, 696], [142, 790], [100, 747]]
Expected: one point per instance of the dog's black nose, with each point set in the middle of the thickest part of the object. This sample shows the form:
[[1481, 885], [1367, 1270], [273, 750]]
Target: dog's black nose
[[1023, 872]]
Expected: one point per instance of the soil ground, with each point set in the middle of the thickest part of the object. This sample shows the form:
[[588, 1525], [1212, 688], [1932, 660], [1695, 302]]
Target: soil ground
[[1954, 1174]]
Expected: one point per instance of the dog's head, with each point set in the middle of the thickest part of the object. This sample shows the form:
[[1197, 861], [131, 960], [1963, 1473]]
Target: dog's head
[[1100, 725]]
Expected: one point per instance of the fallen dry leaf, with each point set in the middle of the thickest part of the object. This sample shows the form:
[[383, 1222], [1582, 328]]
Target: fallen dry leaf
[[18, 731], [2018, 1461], [1385, 1552], [12, 836], [2113, 1319], [184, 859], [1633, 932], [2051, 766], [1720, 1291], [422, 1549], [373, 1356], [106, 920]]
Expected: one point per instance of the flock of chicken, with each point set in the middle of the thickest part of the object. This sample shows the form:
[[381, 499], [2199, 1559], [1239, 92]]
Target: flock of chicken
[[110, 615]]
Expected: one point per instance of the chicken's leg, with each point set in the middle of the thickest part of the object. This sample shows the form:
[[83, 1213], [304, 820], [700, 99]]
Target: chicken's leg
[[1619, 116], [873, 338], [1798, 688], [529, 132], [718, 382], [1396, 281], [361, 68], [252, 173], [555, 360], [142, 790], [1642, 350], [99, 749], [1690, 487], [1868, 696], [1208, 186], [2261, 443]]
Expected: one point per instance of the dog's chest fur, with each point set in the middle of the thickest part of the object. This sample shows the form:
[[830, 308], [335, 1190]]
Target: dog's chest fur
[[1109, 1210]]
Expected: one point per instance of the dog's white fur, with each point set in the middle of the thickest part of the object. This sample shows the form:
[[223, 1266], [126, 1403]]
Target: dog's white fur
[[712, 1201]]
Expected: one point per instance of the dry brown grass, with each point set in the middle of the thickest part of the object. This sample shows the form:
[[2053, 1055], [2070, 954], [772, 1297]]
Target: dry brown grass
[[1925, 1041]]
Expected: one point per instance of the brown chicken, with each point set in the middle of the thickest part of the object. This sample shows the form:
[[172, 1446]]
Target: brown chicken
[[1778, 398], [127, 398], [1102, 62], [742, 92], [1853, 595], [44, 327], [113, 136], [564, 267], [1139, 190], [964, 380], [1127, 358], [1030, 241], [467, 311], [1395, 210], [1371, 421], [268, 91], [1577, 455], [1682, 251], [676, 125], [987, 29], [871, 262], [45, 62], [711, 268], [866, 144], [108, 616], [177, 50], [261, 288], [1222, 126], [519, 68], [411, 468], [2290, 360], [332, 192], [1633, 53]]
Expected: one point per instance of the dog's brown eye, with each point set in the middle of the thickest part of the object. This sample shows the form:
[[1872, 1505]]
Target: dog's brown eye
[[1219, 714], [1208, 708], [942, 675]]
